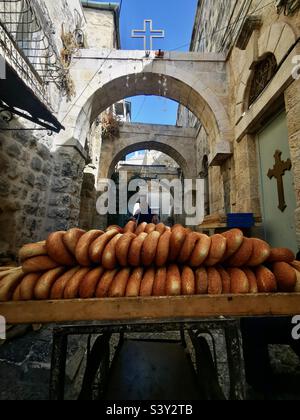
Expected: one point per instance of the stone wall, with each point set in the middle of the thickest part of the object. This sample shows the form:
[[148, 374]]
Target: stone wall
[[292, 101], [37, 184], [65, 189], [235, 185], [26, 165], [100, 29], [277, 35], [217, 27]]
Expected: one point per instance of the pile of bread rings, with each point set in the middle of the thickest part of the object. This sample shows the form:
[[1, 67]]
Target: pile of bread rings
[[148, 260]]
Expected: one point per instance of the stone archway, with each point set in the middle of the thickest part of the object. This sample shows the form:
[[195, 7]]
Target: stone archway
[[197, 81], [179, 159], [178, 143]]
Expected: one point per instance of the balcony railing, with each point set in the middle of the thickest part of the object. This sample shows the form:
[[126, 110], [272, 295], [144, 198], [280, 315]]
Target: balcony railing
[[29, 27], [26, 42]]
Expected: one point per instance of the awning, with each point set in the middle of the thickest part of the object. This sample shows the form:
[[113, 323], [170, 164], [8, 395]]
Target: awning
[[18, 98]]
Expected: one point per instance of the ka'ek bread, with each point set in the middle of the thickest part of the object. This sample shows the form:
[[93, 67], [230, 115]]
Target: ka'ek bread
[[148, 282], [242, 255], [260, 253], [215, 285], [234, 240], [87, 289], [173, 284], [149, 249], [176, 242], [58, 289], [201, 279], [58, 251], [135, 251], [201, 251], [188, 281], [134, 282], [122, 248], [217, 250], [226, 280], [297, 287], [281, 255], [160, 281], [119, 283], [37, 264], [33, 250], [9, 284], [285, 276], [27, 286], [252, 280], [266, 280], [163, 249], [71, 239], [239, 281]]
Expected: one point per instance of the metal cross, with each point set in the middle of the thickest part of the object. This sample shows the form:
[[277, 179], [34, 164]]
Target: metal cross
[[278, 172], [142, 33]]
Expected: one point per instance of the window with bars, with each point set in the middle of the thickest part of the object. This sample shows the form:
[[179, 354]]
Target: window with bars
[[263, 72]]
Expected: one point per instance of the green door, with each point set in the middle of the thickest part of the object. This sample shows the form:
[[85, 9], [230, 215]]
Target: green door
[[277, 187]]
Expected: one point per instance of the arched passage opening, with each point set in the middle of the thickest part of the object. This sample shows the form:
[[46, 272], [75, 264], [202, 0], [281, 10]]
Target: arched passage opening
[[168, 150], [189, 83], [173, 83], [149, 176]]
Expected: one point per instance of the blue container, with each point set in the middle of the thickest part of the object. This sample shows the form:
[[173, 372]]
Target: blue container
[[240, 220]]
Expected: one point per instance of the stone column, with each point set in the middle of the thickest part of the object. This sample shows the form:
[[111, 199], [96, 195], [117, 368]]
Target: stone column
[[292, 102], [66, 183], [247, 177]]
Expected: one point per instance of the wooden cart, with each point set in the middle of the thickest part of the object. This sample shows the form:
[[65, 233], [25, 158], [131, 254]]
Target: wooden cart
[[195, 315]]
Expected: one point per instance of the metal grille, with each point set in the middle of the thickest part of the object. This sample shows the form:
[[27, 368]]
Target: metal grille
[[263, 73], [26, 25]]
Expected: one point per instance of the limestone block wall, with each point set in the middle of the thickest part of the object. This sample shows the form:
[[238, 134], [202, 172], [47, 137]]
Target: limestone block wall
[[40, 185], [88, 201], [65, 189], [276, 35], [238, 177], [100, 29], [292, 101], [26, 165]]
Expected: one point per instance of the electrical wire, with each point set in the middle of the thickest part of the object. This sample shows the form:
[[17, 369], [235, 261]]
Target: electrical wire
[[226, 27], [82, 93], [140, 110], [222, 29], [175, 49]]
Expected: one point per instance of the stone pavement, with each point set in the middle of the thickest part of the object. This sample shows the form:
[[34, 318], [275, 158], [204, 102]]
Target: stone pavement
[[25, 365]]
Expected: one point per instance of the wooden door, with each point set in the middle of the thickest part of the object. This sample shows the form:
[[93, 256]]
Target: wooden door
[[277, 184]]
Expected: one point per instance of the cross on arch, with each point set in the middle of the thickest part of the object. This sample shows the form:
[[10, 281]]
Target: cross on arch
[[148, 35]]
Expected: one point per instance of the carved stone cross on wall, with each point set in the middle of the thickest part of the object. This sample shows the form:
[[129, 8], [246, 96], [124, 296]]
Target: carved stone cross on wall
[[278, 172]]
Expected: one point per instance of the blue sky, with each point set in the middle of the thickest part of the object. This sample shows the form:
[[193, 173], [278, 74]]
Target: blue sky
[[176, 17]]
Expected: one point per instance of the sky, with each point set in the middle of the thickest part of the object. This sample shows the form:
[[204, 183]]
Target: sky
[[176, 17]]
